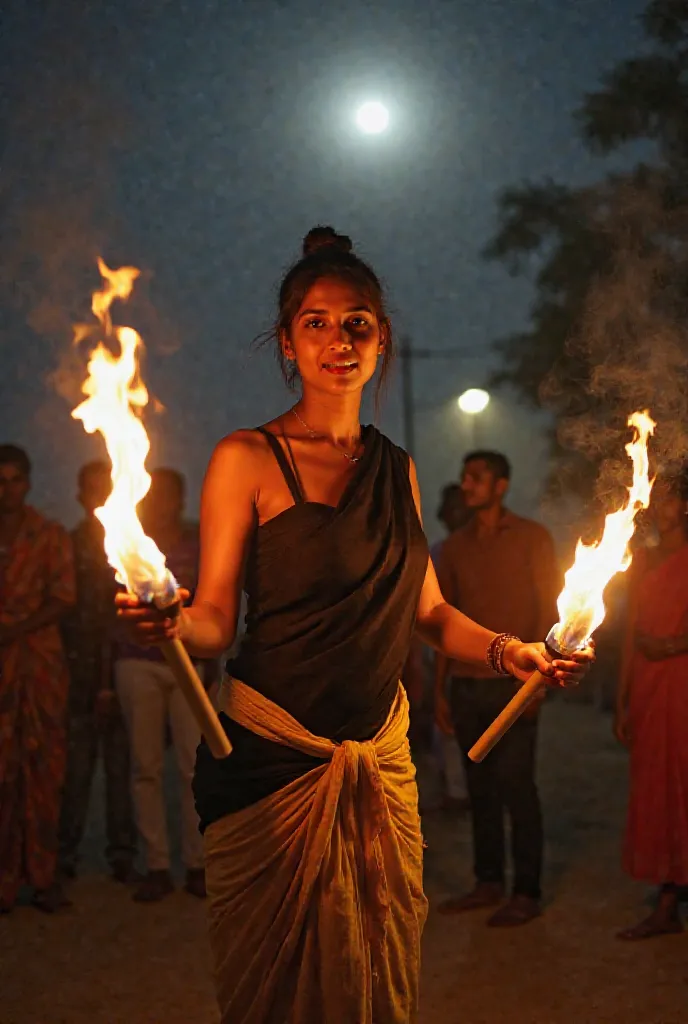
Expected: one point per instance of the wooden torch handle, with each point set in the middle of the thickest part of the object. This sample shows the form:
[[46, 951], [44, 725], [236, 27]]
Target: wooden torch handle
[[178, 659], [503, 722]]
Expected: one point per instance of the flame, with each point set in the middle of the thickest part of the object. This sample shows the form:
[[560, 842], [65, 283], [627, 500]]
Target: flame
[[580, 604], [116, 396]]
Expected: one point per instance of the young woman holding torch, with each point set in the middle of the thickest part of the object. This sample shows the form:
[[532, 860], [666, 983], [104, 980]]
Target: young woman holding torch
[[313, 843]]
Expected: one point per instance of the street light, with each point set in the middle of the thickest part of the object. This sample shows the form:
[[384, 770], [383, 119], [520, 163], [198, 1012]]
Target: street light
[[472, 403], [407, 354]]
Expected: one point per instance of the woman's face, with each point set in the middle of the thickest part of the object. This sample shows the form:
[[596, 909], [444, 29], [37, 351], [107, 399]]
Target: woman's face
[[335, 337]]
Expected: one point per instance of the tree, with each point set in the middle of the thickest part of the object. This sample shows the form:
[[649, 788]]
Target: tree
[[646, 97], [609, 265]]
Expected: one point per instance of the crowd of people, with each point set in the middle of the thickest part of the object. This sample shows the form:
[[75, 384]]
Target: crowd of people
[[74, 689]]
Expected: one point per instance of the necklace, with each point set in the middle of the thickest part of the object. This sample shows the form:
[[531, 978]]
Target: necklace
[[314, 434]]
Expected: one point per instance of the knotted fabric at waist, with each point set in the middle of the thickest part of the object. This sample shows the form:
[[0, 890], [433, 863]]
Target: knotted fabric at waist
[[251, 709], [316, 904], [353, 776]]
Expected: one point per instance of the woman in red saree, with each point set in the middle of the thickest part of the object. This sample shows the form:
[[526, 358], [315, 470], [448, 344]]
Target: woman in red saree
[[652, 713]]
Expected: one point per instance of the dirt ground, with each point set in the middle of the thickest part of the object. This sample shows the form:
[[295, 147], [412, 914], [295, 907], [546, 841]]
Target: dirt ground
[[110, 961]]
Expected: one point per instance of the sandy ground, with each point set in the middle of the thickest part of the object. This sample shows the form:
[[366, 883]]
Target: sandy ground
[[110, 961]]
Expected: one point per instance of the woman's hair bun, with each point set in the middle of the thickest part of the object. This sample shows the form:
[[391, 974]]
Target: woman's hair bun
[[325, 237]]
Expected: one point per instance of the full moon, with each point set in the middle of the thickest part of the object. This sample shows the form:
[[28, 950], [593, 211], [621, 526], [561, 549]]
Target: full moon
[[372, 118]]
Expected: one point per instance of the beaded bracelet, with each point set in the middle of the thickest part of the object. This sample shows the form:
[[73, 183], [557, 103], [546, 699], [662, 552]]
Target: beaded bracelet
[[494, 655]]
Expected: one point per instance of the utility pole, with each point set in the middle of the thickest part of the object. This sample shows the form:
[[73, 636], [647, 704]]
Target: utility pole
[[407, 354]]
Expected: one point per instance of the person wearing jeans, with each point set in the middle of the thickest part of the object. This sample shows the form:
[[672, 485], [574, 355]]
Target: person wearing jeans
[[498, 568], [505, 780]]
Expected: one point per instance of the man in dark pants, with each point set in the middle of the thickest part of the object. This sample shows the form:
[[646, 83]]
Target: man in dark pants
[[501, 570], [95, 720]]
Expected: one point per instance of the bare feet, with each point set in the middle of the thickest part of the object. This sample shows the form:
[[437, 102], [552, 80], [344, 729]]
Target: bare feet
[[658, 923]]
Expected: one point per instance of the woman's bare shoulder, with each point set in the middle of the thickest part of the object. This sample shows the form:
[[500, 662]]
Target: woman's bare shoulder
[[242, 443], [251, 439], [239, 457]]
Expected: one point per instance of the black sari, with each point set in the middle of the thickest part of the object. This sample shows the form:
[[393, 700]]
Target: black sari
[[332, 599]]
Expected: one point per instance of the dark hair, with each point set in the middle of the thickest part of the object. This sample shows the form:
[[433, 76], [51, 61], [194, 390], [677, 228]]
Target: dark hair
[[497, 463], [447, 491], [173, 476], [11, 454], [90, 469], [328, 254]]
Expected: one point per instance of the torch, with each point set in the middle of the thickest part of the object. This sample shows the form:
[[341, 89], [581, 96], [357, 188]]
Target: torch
[[116, 395], [580, 604]]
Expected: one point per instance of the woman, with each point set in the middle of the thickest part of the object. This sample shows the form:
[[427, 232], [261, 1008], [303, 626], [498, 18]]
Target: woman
[[313, 845], [36, 591], [652, 713]]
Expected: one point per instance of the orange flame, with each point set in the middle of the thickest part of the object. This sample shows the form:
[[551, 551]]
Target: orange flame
[[115, 397], [580, 604]]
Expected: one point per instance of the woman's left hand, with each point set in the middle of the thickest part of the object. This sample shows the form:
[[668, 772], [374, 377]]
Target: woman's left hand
[[524, 659]]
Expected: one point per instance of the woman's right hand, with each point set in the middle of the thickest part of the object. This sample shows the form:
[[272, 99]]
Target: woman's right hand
[[146, 625], [621, 726]]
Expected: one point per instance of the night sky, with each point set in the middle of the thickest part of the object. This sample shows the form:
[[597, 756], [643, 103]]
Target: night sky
[[201, 140]]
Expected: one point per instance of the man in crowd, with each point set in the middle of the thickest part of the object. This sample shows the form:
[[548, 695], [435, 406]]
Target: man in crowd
[[501, 570], [36, 590], [94, 717], [151, 700]]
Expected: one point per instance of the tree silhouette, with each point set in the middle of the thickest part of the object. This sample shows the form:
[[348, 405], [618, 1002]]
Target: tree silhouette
[[609, 265]]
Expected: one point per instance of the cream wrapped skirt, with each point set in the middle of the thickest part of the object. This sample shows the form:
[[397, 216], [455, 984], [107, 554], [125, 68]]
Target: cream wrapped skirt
[[316, 897]]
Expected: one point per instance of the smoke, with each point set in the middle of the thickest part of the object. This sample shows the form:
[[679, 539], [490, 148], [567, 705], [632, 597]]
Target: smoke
[[630, 350]]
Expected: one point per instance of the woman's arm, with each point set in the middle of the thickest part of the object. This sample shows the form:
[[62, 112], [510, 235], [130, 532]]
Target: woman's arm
[[228, 518], [446, 629]]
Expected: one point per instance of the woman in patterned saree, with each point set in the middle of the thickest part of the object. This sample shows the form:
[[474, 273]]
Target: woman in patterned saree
[[36, 589]]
